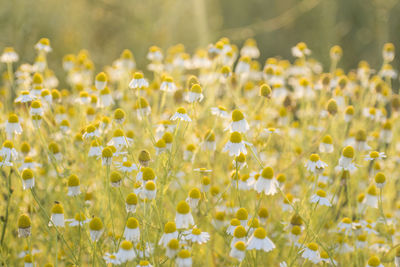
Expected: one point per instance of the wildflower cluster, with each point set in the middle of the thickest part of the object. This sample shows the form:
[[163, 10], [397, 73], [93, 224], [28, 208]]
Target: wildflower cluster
[[210, 159]]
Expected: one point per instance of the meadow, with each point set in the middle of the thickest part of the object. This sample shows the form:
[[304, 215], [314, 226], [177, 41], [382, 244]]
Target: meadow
[[219, 155]]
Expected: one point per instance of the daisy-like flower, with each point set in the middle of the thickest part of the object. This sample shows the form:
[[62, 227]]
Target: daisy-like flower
[[91, 131], [169, 234], [184, 259], [375, 155], [181, 114], [95, 149], [194, 198], [142, 107], [239, 234], [27, 179], [195, 94], [131, 202], [371, 199], [374, 261], [126, 252], [132, 232], [138, 81], [238, 251], [220, 111], [118, 140], [315, 164], [24, 226], [345, 226], [24, 97], [380, 180], [144, 263], [349, 114], [326, 145], [100, 81], [346, 159], [266, 182], [127, 166], [57, 215], [311, 253], [73, 185], [13, 126], [28, 261], [43, 45], [250, 49], [300, 50], [168, 85], [183, 218], [239, 123], [243, 65], [172, 248], [320, 198], [106, 156], [95, 228], [106, 98], [235, 145], [242, 215], [260, 241], [8, 152], [239, 161], [155, 54], [232, 226], [111, 258], [9, 55], [197, 236], [149, 191], [79, 220]]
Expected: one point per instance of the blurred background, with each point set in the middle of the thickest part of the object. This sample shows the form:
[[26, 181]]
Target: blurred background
[[106, 27]]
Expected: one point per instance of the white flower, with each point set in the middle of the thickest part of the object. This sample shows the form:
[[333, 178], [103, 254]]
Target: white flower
[[320, 198], [374, 155], [183, 218], [57, 219], [315, 164], [235, 145], [220, 112], [9, 55], [181, 114], [111, 259], [126, 252], [197, 236], [132, 232], [168, 85], [311, 253], [260, 241], [238, 251]]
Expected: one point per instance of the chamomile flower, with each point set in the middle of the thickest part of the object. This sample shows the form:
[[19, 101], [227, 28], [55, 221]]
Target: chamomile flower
[[195, 94], [238, 251], [28, 179], [375, 155], [320, 198], [314, 164], [57, 215], [371, 198], [168, 85], [43, 45], [374, 262], [181, 114], [111, 258], [79, 220], [260, 241], [326, 145], [24, 226], [235, 145], [132, 232], [8, 152], [197, 236], [266, 182], [101, 81], [13, 126], [184, 259], [311, 253], [346, 159], [239, 123], [220, 111], [73, 185], [138, 81], [95, 228], [300, 50], [183, 217], [125, 252], [9, 55], [194, 198]]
